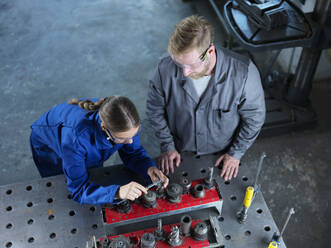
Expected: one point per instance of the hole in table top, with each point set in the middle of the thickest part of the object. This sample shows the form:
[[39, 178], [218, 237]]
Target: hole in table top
[[31, 240], [203, 170], [52, 235], [72, 213], [245, 179], [28, 188], [29, 204], [227, 182], [248, 233], [233, 198], [48, 184], [227, 237], [267, 228], [259, 211], [92, 209], [9, 208], [221, 219], [9, 244], [30, 221], [73, 231], [184, 174], [94, 226], [51, 217], [9, 226], [9, 191], [50, 200]]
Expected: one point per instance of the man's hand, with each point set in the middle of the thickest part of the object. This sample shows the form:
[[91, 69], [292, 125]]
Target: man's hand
[[131, 191], [230, 166], [167, 161], [155, 174]]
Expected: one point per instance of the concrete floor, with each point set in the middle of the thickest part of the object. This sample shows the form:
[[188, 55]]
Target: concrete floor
[[51, 51]]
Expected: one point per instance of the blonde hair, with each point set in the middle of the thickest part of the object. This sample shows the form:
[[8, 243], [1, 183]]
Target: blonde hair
[[118, 112], [192, 32]]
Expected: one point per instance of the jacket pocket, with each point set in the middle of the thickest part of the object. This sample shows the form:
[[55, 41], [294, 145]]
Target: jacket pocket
[[225, 121]]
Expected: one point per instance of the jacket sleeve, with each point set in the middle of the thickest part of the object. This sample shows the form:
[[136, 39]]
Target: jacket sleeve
[[156, 112], [135, 157], [252, 113], [78, 183]]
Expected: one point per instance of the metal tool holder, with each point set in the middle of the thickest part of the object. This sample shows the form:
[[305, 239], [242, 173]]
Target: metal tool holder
[[40, 213]]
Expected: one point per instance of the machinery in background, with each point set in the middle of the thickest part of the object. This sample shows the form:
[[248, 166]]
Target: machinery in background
[[261, 25]]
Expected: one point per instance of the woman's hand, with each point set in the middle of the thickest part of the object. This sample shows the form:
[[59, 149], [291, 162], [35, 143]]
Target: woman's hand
[[131, 191], [155, 174]]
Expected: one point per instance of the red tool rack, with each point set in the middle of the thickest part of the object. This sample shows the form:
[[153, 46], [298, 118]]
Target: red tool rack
[[187, 241], [188, 203]]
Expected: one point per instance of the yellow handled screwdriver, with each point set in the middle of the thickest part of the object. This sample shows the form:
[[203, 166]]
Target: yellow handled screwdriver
[[275, 240], [250, 194]]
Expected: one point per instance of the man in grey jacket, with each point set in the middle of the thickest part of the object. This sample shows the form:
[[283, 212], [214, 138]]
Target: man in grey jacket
[[204, 100]]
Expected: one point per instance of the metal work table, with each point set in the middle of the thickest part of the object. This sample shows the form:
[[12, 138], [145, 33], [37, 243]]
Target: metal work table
[[40, 213]]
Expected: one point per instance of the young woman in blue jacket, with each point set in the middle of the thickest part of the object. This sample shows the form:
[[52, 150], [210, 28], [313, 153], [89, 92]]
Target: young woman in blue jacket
[[73, 137]]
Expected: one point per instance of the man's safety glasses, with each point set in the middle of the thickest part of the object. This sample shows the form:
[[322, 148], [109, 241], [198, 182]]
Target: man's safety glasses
[[195, 65]]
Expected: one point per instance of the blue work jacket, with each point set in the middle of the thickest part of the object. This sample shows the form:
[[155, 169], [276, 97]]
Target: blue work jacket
[[76, 137]]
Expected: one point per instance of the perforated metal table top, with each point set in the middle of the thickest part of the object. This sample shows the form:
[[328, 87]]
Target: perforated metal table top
[[40, 214]]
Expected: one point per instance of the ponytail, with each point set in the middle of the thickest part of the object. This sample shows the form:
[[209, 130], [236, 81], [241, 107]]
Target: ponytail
[[87, 104]]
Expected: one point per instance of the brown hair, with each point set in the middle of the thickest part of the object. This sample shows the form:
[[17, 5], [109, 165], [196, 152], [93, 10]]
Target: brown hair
[[192, 32], [118, 112]]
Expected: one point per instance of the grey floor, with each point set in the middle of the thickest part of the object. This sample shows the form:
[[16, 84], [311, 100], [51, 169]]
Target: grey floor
[[51, 51]]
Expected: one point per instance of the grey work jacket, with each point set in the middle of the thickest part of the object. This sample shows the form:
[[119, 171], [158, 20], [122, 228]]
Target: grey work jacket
[[228, 116]]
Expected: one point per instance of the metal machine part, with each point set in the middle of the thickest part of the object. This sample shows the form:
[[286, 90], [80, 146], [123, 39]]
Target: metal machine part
[[141, 217], [276, 24], [242, 214], [124, 206], [214, 223], [185, 225], [160, 193], [174, 192], [105, 243], [159, 233], [199, 191], [186, 183], [147, 241], [189, 241], [266, 15], [149, 199], [119, 242], [174, 238], [208, 180], [200, 231]]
